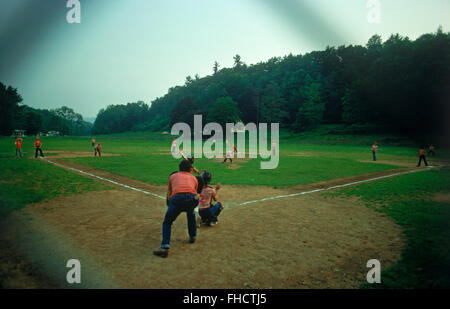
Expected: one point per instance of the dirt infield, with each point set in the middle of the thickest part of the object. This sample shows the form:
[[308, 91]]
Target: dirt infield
[[297, 242], [307, 242]]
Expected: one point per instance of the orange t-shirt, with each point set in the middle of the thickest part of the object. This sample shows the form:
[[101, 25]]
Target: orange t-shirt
[[182, 182], [421, 152], [205, 197], [37, 144], [19, 144]]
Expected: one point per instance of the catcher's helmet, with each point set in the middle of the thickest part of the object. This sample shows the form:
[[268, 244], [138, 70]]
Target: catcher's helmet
[[206, 176]]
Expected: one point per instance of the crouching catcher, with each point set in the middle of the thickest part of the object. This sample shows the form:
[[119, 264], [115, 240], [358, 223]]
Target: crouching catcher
[[207, 210]]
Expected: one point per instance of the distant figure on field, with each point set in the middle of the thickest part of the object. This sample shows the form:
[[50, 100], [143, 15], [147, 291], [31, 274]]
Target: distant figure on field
[[183, 197], [38, 147], [18, 144], [422, 157], [207, 211], [98, 149], [229, 155], [274, 148], [374, 151], [431, 150], [174, 147], [93, 141]]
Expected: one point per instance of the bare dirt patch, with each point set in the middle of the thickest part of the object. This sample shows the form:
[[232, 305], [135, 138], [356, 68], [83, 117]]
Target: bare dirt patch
[[442, 197], [391, 162], [76, 154], [302, 242]]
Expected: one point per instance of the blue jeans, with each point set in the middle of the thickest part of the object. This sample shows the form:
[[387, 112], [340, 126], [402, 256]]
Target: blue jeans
[[177, 204], [210, 214], [374, 155]]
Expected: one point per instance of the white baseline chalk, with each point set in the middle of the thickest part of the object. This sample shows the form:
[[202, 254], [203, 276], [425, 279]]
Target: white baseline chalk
[[104, 179], [329, 188]]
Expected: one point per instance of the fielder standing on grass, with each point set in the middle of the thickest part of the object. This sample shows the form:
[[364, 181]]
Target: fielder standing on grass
[[183, 197], [98, 149], [374, 151], [38, 147], [18, 144], [422, 157]]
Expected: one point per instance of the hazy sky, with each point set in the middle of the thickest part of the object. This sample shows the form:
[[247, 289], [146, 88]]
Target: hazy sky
[[129, 50]]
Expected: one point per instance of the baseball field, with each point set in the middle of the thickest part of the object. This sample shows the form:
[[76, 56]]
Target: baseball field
[[313, 222]]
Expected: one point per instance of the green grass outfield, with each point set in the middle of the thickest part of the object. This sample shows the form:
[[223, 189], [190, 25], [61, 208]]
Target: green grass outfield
[[140, 158], [425, 261]]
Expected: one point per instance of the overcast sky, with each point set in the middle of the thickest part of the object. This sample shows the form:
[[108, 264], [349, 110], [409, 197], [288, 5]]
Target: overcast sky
[[129, 50]]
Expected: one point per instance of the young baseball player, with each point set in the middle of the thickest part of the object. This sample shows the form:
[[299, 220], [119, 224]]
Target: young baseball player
[[374, 151], [183, 197], [229, 156], [38, 147], [98, 149], [431, 150], [174, 146], [422, 157], [18, 144], [207, 211]]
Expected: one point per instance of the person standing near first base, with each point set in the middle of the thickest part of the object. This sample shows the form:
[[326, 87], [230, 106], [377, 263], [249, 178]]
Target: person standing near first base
[[422, 157], [374, 151], [183, 197], [38, 147], [18, 144]]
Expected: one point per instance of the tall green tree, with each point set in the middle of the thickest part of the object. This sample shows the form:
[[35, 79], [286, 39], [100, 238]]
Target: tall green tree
[[310, 113], [224, 111], [273, 104], [9, 100]]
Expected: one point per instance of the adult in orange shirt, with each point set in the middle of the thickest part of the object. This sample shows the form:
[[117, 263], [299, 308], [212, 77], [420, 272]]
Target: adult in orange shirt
[[422, 157], [38, 147], [18, 144], [183, 197]]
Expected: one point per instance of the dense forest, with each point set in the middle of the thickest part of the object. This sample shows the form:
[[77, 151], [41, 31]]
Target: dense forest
[[14, 116], [398, 84]]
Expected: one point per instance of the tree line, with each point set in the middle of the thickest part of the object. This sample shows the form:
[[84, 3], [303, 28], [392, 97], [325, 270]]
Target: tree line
[[14, 116], [399, 84]]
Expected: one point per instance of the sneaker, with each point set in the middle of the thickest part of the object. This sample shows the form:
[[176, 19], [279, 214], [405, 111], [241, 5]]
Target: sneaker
[[191, 240], [161, 252]]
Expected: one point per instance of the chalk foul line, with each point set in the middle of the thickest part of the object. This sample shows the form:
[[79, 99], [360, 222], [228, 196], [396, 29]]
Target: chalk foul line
[[329, 188], [243, 203], [104, 179]]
